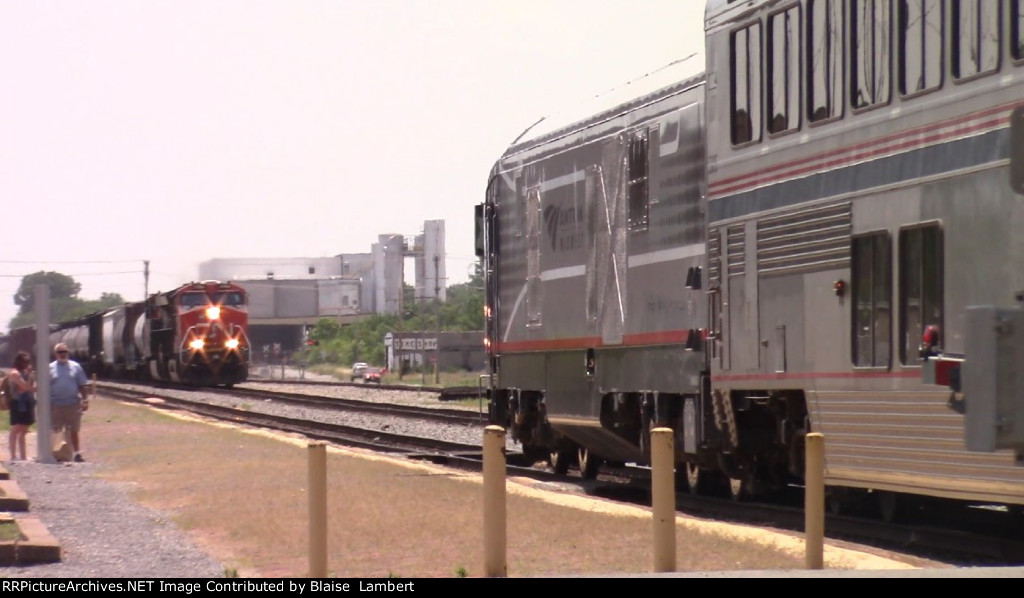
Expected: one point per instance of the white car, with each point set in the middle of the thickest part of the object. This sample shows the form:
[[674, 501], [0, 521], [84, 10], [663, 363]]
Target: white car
[[358, 369]]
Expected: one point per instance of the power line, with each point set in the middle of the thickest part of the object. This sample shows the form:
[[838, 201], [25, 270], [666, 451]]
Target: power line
[[77, 275], [69, 262]]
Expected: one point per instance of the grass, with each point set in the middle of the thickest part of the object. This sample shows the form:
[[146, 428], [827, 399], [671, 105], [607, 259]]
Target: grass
[[9, 531]]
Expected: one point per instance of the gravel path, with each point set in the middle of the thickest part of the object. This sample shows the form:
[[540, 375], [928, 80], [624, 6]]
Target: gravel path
[[102, 532]]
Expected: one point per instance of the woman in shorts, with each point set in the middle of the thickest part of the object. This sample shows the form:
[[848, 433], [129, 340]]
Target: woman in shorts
[[22, 390]]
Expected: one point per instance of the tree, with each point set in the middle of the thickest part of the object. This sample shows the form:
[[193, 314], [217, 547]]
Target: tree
[[464, 309], [64, 302], [363, 341], [111, 299], [61, 286]]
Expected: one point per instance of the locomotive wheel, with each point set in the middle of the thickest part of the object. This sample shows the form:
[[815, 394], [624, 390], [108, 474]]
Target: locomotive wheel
[[737, 489], [888, 506], [589, 464], [535, 454], [559, 460], [835, 504], [698, 480]]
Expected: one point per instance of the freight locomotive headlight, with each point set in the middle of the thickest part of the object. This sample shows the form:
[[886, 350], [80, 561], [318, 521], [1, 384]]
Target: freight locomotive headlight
[[196, 344], [232, 343], [213, 312]]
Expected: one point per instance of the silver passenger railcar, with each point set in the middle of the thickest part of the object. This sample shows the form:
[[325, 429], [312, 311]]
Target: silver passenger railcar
[[591, 227], [858, 204], [787, 242]]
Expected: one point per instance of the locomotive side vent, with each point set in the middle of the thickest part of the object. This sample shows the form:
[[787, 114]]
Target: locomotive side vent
[[804, 241], [737, 254], [714, 259]]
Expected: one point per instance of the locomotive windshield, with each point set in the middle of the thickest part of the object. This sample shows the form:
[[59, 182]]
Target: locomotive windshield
[[194, 299], [229, 299], [202, 300]]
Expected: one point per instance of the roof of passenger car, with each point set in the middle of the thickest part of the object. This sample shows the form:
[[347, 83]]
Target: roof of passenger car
[[671, 78]]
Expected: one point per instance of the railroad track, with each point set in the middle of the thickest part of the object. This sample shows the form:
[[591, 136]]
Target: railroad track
[[376, 440], [444, 393], [454, 416]]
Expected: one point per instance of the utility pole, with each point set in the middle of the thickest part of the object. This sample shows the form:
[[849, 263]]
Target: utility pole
[[401, 295], [145, 278], [437, 306], [422, 344]]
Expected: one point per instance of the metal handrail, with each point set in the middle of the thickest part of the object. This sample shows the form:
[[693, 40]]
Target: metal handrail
[[480, 388]]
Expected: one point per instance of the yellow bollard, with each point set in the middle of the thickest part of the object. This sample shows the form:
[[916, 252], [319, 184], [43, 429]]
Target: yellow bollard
[[495, 540], [318, 509], [814, 502], [663, 499]]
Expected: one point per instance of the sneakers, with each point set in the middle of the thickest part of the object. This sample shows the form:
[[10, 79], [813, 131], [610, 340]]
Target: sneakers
[[79, 459]]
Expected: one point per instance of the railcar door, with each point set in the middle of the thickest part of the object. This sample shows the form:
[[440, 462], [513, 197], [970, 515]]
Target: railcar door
[[739, 301]]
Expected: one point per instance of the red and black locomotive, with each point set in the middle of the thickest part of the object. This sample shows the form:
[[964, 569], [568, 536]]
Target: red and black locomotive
[[196, 334]]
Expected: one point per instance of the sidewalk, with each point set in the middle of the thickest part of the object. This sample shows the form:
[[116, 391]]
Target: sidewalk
[[36, 544]]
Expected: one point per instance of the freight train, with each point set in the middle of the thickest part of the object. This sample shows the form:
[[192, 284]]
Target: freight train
[[782, 235], [196, 334]]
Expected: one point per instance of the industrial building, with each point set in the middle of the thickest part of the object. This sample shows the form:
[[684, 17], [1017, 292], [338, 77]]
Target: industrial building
[[286, 294]]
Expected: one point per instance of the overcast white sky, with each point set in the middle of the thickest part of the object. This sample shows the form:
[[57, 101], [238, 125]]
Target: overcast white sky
[[183, 130]]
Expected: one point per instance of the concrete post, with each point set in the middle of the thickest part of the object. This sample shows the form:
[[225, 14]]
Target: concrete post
[[495, 539], [663, 499], [318, 509], [44, 435], [814, 502]]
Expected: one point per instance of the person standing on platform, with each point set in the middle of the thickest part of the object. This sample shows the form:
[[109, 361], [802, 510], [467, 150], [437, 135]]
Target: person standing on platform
[[22, 392], [68, 398]]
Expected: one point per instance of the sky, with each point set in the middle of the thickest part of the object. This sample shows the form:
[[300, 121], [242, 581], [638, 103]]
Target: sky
[[184, 130]]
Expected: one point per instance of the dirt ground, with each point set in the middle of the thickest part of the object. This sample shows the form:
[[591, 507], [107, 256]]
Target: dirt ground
[[242, 495]]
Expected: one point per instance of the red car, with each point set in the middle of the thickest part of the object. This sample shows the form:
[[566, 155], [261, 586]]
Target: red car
[[372, 375]]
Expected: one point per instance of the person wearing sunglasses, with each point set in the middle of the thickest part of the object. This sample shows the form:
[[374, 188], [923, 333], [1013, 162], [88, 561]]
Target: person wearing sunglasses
[[68, 388]]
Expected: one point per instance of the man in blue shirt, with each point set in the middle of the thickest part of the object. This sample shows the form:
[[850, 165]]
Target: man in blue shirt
[[68, 397]]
